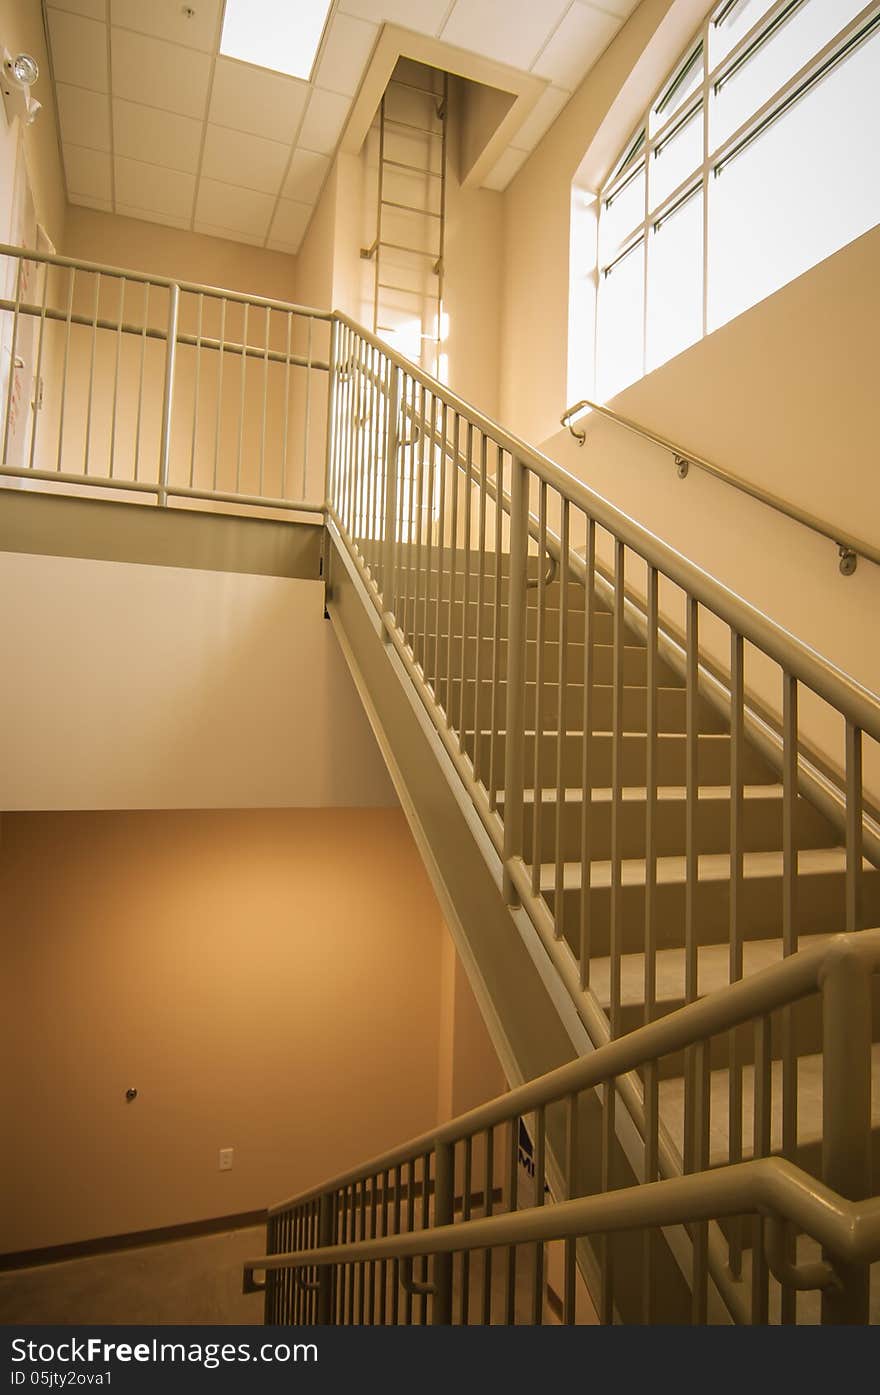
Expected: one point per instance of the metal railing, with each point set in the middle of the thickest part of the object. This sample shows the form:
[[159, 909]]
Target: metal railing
[[167, 390], [344, 1252], [849, 547]]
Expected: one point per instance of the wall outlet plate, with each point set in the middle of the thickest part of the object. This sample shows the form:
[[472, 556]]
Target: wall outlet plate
[[225, 1163]]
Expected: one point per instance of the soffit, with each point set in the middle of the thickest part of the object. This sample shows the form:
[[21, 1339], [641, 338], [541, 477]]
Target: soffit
[[154, 123]]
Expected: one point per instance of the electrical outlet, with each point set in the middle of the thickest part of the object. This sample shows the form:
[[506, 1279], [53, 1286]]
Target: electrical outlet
[[226, 1159]]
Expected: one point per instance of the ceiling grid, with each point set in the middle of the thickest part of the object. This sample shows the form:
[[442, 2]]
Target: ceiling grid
[[156, 123]]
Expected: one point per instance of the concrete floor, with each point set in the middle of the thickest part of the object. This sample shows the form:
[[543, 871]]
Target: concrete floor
[[187, 1281]]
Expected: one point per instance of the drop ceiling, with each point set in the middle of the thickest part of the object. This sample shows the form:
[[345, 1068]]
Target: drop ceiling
[[156, 124]]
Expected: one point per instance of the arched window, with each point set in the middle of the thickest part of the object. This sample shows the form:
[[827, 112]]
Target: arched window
[[757, 158]]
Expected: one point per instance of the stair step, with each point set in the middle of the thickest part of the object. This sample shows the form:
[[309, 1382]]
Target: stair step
[[762, 821], [462, 661], [820, 898], [713, 757], [671, 705], [465, 616]]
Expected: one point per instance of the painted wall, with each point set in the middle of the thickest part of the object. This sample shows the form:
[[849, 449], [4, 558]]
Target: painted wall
[[21, 30], [130, 686], [250, 973]]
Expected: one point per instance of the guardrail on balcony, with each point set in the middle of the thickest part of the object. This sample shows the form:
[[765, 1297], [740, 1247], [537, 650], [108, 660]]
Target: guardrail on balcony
[[344, 1252]]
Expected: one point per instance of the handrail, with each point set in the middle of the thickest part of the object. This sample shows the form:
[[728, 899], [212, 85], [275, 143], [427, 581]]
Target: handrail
[[806, 664], [772, 1187], [779, 985], [849, 546]]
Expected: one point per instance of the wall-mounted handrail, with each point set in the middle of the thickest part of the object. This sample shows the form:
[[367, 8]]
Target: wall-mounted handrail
[[849, 546]]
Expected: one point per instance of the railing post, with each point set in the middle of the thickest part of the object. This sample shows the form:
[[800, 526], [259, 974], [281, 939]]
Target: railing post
[[514, 752], [168, 394], [392, 451], [325, 1272], [444, 1214], [846, 1113]]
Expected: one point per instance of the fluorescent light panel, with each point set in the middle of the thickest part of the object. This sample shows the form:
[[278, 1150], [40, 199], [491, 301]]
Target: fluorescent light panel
[[280, 34]]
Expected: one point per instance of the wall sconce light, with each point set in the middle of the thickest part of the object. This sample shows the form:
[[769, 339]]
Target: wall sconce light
[[18, 77]]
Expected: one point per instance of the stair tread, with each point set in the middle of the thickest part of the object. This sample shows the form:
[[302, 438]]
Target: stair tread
[[711, 867], [713, 969], [638, 793], [671, 1098]]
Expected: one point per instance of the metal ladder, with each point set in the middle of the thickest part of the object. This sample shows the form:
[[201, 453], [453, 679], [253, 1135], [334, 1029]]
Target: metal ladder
[[409, 247]]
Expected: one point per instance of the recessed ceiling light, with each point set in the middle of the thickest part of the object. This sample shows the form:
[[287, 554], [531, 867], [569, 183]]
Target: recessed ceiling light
[[280, 34]]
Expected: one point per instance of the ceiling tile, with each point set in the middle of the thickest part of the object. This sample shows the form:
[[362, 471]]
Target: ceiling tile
[[146, 215], [544, 113], [167, 19], [425, 16], [84, 116], [88, 172], [153, 187], [92, 9], [325, 118], [290, 222], [228, 234], [511, 161], [306, 175], [251, 161], [79, 50], [581, 37], [239, 210], [510, 31], [255, 100], [159, 74], [156, 137], [346, 51]]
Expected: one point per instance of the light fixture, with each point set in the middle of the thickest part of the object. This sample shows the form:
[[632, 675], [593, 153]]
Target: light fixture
[[19, 75], [275, 34]]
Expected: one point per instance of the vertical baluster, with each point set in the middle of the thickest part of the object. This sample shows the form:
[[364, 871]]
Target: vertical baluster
[[561, 723], [585, 946], [38, 372], [691, 861], [651, 730], [265, 399], [410, 1227], [369, 477], [116, 366], [395, 1266], [761, 1149], [444, 564], [789, 946], [495, 719], [616, 929], [307, 415], [353, 419], [168, 393], [90, 401], [196, 386], [854, 838], [374, 1232], [383, 1281], [572, 1186], [285, 414], [488, 1207], [10, 385], [64, 370], [426, 1222], [466, 596], [540, 640], [453, 599], [243, 389], [481, 598], [540, 1183], [700, 1230], [431, 486], [514, 716], [512, 1178], [405, 504], [218, 425], [735, 1079], [465, 1267], [419, 518], [652, 1128], [352, 1267], [362, 1267]]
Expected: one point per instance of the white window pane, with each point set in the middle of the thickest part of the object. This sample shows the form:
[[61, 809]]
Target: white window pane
[[683, 84], [676, 158], [675, 283], [808, 30], [800, 191], [621, 216], [621, 324], [736, 23]]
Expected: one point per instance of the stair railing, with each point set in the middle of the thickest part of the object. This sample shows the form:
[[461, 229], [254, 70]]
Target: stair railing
[[344, 1252]]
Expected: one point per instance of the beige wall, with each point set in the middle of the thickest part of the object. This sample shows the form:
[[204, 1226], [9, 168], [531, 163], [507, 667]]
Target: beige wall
[[21, 30], [131, 686], [250, 973]]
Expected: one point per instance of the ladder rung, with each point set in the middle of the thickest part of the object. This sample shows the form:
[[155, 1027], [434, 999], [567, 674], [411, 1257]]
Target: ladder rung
[[412, 251], [414, 169], [404, 290], [409, 126], [410, 208], [414, 87]]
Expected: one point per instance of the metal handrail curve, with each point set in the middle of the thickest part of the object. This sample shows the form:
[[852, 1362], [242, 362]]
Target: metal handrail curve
[[849, 546]]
